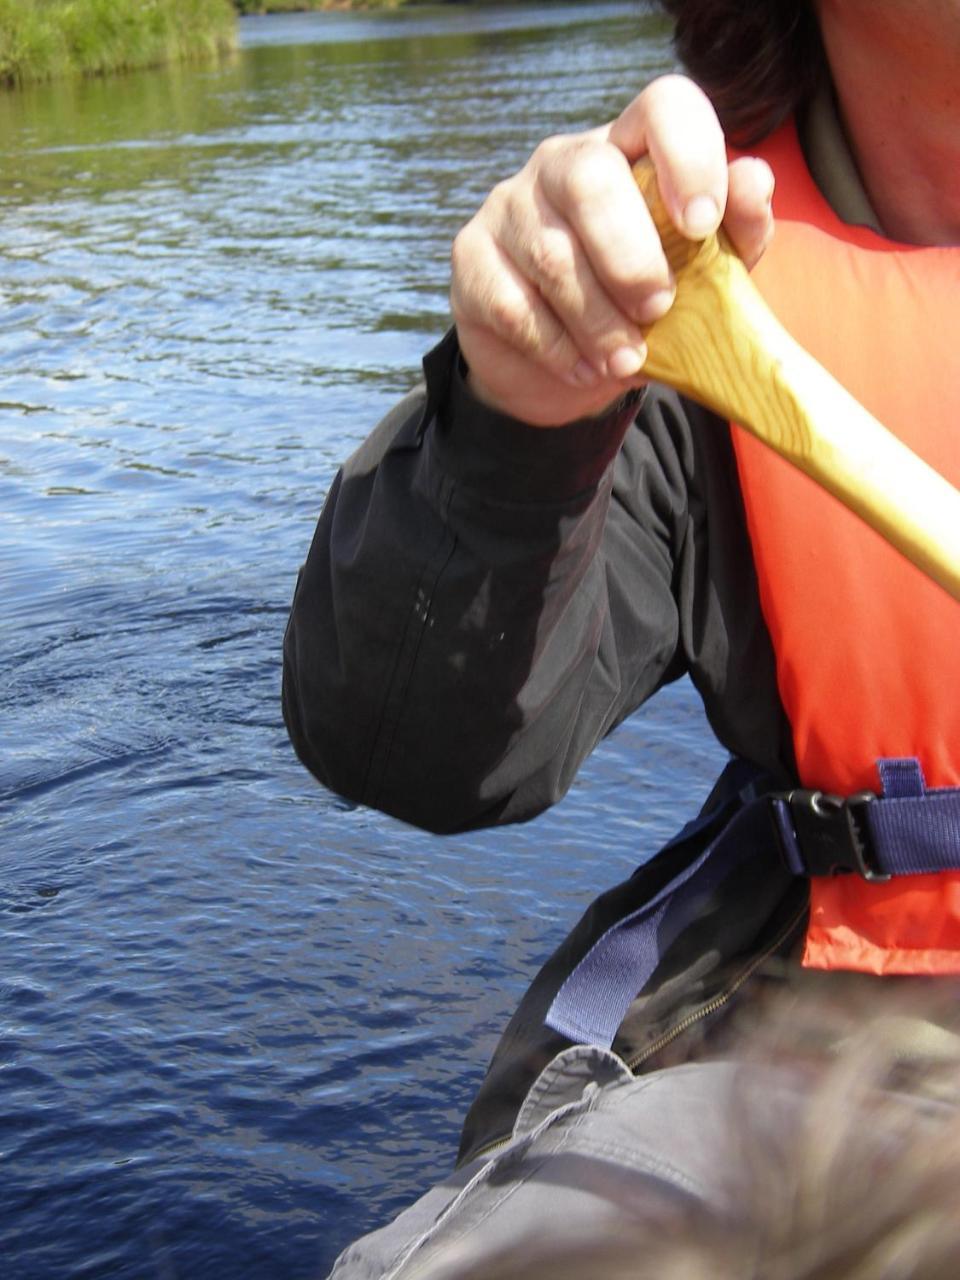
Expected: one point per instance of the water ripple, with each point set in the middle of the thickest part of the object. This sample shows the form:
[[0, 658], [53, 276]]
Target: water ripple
[[239, 1017]]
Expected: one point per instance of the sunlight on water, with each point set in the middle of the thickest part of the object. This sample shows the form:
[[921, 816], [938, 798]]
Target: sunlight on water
[[241, 1019]]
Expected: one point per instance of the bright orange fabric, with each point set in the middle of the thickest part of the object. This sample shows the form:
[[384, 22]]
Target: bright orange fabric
[[868, 650]]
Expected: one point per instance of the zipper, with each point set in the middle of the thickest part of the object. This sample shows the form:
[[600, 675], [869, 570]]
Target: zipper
[[718, 1001], [690, 1020], [491, 1147]]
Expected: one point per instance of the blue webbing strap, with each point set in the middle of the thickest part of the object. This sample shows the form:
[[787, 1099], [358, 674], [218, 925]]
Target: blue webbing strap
[[907, 831], [593, 1000], [911, 831]]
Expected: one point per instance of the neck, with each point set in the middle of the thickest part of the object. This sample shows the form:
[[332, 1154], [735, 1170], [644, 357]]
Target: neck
[[894, 67]]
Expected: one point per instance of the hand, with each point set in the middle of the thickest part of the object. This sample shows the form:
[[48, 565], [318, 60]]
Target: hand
[[556, 276]]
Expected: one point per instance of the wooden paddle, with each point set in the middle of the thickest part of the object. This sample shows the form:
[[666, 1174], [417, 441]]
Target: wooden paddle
[[721, 345]]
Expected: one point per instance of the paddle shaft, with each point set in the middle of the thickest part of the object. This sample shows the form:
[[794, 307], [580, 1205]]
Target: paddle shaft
[[721, 345]]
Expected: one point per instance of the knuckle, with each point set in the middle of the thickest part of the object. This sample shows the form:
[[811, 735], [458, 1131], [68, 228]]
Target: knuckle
[[472, 282], [510, 318], [631, 277], [499, 199], [550, 149], [552, 259], [557, 351], [674, 94], [673, 82], [462, 249], [588, 175], [501, 194]]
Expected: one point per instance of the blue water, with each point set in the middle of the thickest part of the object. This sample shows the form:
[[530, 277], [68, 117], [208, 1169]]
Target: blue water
[[239, 1019]]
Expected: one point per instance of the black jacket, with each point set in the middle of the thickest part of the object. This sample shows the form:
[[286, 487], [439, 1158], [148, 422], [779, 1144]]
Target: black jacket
[[484, 600]]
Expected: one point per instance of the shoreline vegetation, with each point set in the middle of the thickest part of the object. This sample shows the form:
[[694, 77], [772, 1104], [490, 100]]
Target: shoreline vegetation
[[46, 39], [314, 6]]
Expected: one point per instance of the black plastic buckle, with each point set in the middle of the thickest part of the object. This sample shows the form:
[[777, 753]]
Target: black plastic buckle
[[833, 833]]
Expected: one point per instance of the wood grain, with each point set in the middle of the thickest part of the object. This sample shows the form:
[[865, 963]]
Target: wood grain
[[721, 345]]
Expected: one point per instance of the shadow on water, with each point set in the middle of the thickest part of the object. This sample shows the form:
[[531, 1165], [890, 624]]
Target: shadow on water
[[239, 1019]]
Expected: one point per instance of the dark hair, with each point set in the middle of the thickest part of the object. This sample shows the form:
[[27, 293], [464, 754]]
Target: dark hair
[[758, 60]]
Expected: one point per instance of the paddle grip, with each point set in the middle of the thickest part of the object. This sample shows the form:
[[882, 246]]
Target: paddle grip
[[679, 250]]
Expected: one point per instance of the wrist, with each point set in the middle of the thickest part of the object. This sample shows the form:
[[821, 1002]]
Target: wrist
[[597, 409]]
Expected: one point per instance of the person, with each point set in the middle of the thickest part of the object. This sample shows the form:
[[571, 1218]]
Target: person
[[533, 543], [823, 1143]]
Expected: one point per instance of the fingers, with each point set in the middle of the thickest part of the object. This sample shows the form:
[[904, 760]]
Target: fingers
[[562, 267], [573, 262], [490, 292], [594, 193], [749, 214], [564, 262], [674, 122]]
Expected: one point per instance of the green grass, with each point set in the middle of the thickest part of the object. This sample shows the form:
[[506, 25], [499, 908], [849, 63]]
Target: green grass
[[41, 39], [300, 6]]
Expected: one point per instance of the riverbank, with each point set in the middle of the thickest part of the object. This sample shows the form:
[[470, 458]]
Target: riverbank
[[43, 39], [310, 6]]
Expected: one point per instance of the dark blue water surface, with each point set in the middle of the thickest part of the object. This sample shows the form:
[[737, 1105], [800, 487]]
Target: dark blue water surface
[[239, 1019]]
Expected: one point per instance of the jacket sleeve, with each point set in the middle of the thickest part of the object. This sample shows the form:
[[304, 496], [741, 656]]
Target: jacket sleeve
[[482, 602]]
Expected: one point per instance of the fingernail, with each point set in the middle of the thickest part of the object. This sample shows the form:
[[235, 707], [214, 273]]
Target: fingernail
[[584, 374], [657, 305], [626, 362], [701, 216]]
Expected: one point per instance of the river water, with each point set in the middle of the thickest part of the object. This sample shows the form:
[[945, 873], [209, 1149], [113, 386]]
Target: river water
[[240, 1019]]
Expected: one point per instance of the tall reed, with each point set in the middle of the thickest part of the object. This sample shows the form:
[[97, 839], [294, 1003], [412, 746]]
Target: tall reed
[[40, 39]]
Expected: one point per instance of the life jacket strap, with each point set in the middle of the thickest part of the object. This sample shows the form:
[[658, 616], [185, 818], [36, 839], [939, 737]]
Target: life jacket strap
[[908, 830]]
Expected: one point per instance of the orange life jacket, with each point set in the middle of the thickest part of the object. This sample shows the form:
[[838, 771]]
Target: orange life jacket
[[868, 650]]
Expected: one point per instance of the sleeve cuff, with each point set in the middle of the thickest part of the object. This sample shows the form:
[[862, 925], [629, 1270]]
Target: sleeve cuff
[[511, 460]]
